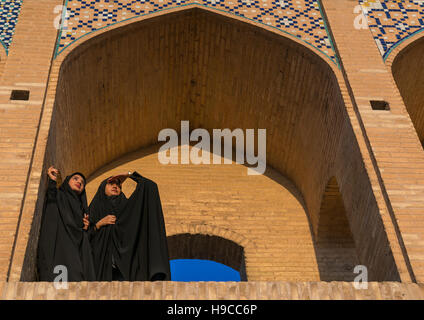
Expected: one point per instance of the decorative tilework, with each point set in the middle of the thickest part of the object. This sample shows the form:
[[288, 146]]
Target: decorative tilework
[[393, 21], [9, 12], [300, 18]]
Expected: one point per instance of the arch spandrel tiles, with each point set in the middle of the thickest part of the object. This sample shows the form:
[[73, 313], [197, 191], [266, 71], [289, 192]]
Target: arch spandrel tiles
[[300, 18], [393, 21], [9, 12]]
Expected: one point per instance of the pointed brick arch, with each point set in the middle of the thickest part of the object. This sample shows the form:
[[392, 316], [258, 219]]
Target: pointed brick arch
[[113, 93], [208, 247], [407, 65], [333, 224]]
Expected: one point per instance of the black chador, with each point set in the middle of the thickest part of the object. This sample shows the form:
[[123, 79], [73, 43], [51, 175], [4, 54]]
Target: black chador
[[135, 247], [63, 242]]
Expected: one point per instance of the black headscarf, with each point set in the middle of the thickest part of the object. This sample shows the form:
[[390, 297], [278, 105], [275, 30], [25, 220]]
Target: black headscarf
[[62, 238], [137, 240]]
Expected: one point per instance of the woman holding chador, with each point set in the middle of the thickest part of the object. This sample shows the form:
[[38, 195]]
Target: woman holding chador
[[64, 241], [128, 236]]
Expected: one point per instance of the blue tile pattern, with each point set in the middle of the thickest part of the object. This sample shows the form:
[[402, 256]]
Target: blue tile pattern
[[9, 12], [300, 18], [393, 21]]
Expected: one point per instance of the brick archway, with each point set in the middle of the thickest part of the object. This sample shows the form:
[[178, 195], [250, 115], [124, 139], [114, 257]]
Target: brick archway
[[208, 247], [216, 72], [233, 247]]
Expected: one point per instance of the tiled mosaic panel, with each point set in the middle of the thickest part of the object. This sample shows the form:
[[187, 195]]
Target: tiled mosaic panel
[[301, 18], [9, 12], [392, 21]]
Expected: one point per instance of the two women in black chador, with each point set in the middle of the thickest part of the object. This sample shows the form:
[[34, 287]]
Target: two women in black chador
[[115, 238]]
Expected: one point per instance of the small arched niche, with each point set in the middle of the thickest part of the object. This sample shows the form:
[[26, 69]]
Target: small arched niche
[[334, 243]]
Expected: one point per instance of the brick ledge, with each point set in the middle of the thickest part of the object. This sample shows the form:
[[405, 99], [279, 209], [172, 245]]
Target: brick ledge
[[273, 290]]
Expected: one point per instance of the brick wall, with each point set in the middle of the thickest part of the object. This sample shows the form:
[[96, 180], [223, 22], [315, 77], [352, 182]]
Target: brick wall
[[26, 68], [392, 142]]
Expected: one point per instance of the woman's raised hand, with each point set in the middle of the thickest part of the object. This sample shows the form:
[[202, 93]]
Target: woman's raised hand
[[109, 219], [85, 221], [53, 173], [121, 177]]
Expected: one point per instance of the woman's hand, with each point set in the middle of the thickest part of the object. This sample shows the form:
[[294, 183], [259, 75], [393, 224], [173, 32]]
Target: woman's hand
[[85, 221], [109, 219], [53, 173], [121, 177]]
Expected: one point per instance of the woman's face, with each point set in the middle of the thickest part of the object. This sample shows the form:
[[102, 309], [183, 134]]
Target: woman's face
[[77, 183], [113, 188]]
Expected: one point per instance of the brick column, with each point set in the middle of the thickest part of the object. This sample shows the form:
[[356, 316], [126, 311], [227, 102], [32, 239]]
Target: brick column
[[26, 68], [393, 144]]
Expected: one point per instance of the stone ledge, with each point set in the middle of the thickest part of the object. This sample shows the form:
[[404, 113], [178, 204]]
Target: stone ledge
[[211, 291]]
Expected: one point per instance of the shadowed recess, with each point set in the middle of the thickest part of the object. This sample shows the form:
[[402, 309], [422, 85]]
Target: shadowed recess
[[334, 241], [206, 247]]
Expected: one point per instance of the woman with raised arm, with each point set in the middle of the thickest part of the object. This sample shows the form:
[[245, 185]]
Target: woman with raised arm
[[64, 245], [128, 236]]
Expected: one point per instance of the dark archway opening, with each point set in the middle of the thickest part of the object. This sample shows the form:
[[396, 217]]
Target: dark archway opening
[[208, 247]]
